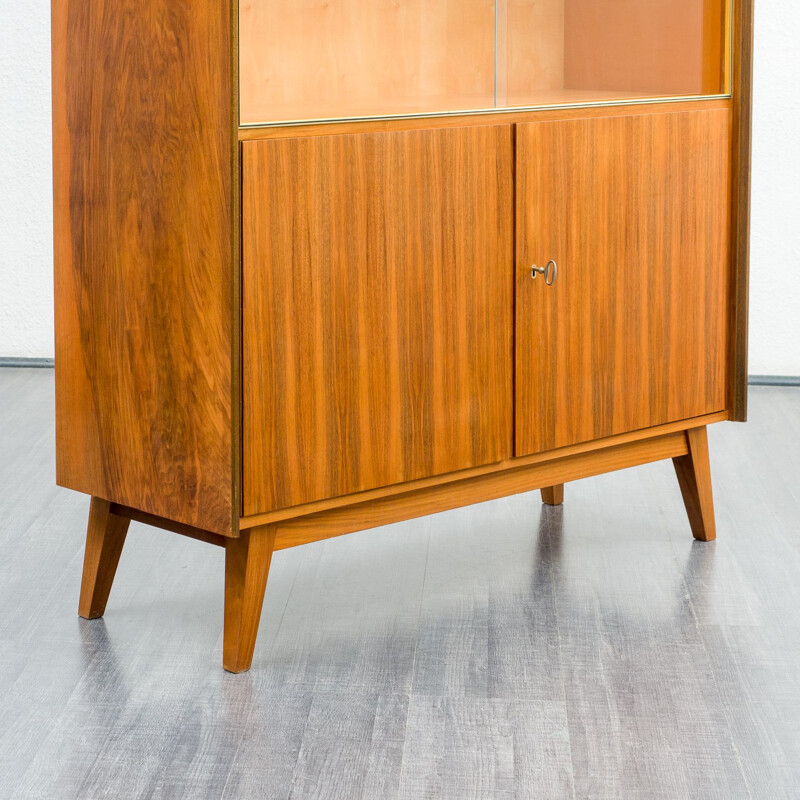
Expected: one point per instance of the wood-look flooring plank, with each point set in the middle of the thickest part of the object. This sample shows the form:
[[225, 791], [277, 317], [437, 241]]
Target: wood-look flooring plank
[[473, 748], [636, 674], [347, 750], [487, 627], [113, 740], [31, 704], [755, 668], [655, 737], [265, 761], [352, 616], [389, 733], [69, 750]]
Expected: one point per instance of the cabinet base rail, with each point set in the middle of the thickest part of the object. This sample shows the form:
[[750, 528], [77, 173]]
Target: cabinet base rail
[[248, 556]]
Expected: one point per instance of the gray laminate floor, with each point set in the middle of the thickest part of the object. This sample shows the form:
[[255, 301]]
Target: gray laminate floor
[[506, 650]]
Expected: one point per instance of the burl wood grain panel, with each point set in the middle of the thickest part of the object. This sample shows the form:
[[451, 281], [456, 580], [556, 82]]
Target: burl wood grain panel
[[658, 47], [377, 323], [634, 332], [144, 267]]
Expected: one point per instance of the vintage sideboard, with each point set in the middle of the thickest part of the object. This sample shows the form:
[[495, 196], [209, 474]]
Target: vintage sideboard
[[320, 267]]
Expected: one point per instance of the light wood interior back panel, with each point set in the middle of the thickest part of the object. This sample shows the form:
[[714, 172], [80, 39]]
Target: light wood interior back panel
[[378, 283], [634, 332], [338, 58], [144, 265], [530, 51], [655, 47]]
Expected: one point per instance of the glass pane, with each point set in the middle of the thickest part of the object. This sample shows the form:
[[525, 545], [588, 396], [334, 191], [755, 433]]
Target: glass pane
[[572, 51], [333, 59], [309, 59]]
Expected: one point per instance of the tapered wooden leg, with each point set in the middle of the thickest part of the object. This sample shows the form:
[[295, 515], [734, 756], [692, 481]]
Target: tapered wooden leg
[[694, 477], [105, 538], [553, 495], [247, 561]]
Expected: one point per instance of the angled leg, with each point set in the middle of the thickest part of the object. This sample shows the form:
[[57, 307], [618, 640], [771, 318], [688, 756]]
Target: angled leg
[[105, 538], [247, 561], [553, 495], [694, 477]]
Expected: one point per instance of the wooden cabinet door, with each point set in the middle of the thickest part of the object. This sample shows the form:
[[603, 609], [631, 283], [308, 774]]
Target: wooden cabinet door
[[377, 310], [634, 330]]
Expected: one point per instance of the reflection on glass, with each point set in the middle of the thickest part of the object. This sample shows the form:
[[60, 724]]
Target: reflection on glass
[[333, 59]]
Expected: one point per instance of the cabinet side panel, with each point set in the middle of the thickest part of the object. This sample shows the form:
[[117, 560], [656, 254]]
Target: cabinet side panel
[[144, 268], [377, 310], [742, 132]]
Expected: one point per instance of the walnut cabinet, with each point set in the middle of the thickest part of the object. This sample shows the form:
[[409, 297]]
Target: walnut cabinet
[[321, 267]]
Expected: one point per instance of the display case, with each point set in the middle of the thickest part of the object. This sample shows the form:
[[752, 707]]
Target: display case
[[323, 266], [350, 59]]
